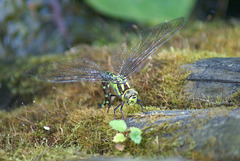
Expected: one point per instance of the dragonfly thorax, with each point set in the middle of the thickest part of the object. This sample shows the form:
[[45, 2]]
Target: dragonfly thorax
[[121, 87], [130, 96]]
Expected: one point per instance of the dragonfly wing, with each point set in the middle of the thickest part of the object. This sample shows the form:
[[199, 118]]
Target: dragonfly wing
[[71, 70], [133, 57]]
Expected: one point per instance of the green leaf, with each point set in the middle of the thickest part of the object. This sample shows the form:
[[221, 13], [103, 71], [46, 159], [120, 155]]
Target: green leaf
[[144, 11], [119, 138], [119, 125], [135, 135]]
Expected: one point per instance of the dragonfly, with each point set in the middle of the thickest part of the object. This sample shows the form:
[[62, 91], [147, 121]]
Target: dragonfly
[[131, 58]]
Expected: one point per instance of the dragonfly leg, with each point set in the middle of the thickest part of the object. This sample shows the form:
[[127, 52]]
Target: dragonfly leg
[[121, 104], [122, 112], [141, 104]]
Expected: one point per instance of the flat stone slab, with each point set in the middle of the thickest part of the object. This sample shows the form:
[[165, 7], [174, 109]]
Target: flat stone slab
[[213, 132], [214, 78]]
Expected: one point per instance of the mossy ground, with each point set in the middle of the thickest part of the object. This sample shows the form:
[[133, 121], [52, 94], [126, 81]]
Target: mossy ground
[[79, 129]]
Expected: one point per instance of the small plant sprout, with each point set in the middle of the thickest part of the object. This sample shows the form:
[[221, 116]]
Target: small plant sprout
[[120, 125], [119, 137], [135, 135]]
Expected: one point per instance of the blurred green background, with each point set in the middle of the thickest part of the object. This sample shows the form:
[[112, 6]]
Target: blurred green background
[[144, 11], [38, 27]]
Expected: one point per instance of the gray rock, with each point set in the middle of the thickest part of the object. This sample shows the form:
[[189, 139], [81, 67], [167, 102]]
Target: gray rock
[[214, 78], [212, 132]]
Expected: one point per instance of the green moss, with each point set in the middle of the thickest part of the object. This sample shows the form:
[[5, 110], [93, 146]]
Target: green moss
[[78, 129]]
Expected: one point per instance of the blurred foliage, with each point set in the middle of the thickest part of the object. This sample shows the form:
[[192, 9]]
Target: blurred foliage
[[37, 27], [15, 86], [24, 31], [144, 11]]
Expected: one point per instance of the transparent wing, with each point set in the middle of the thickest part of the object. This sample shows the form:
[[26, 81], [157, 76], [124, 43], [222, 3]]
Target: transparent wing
[[133, 56], [71, 70]]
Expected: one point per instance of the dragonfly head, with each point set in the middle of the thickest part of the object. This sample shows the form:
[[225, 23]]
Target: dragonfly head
[[130, 96]]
